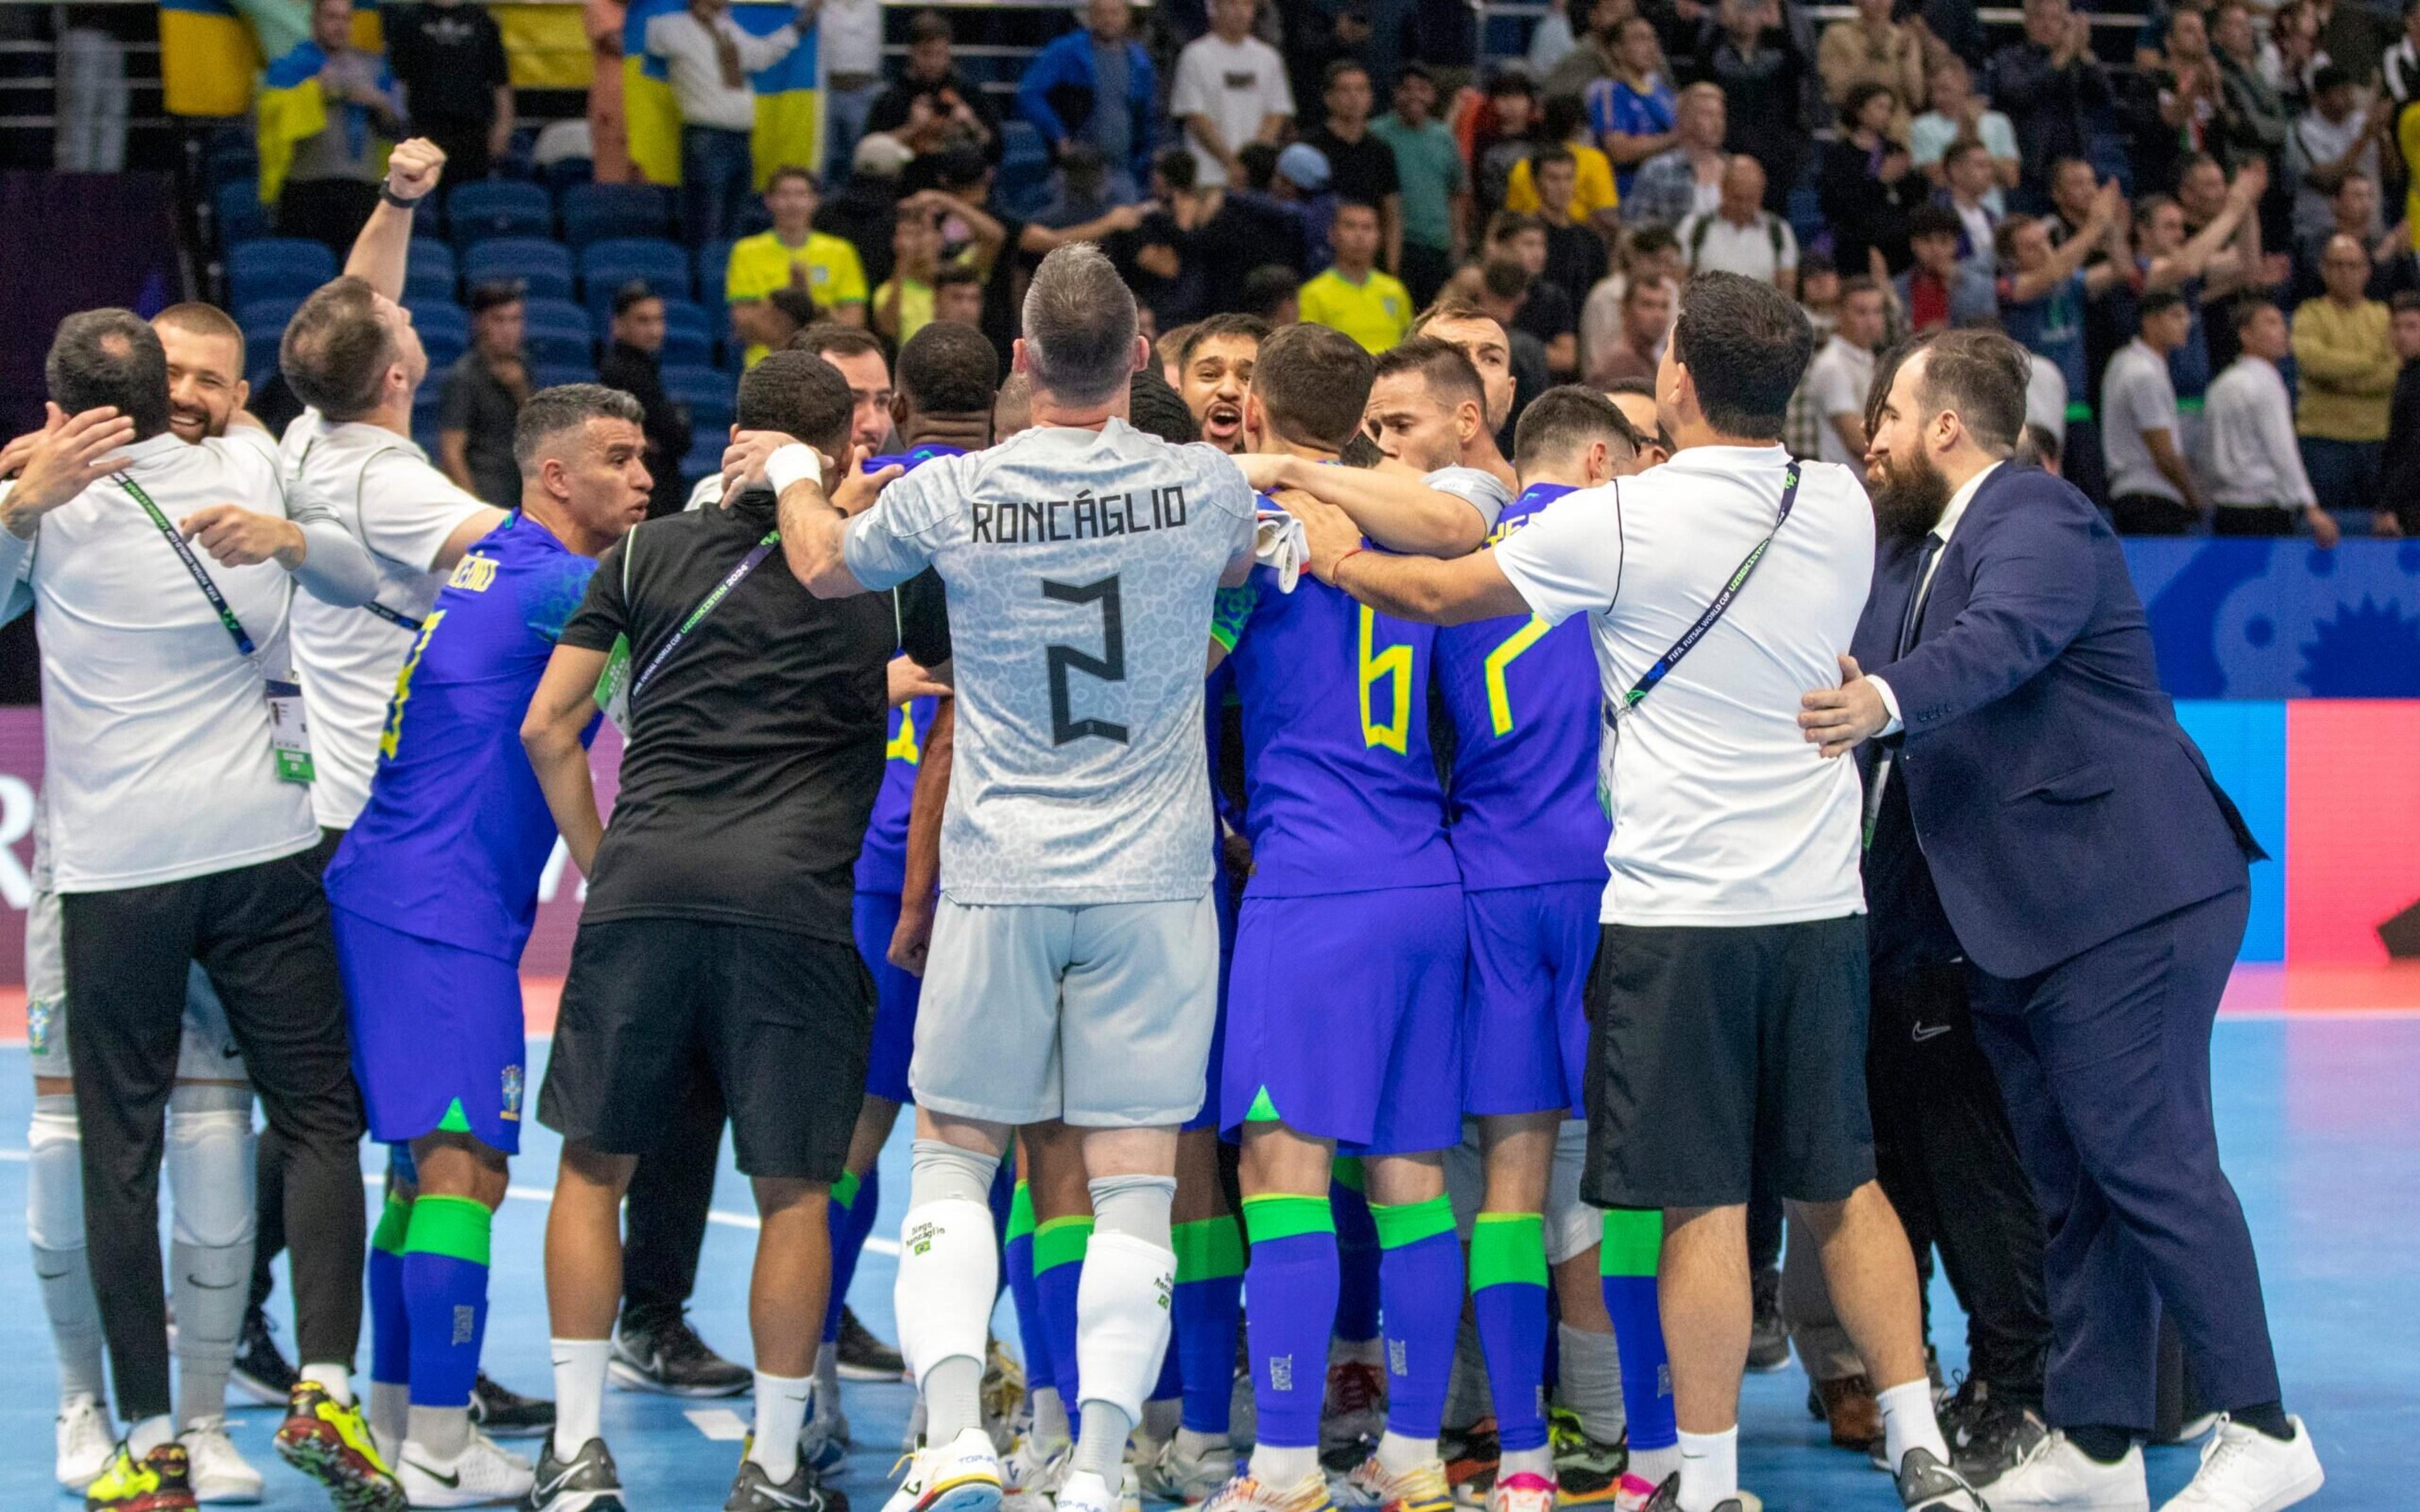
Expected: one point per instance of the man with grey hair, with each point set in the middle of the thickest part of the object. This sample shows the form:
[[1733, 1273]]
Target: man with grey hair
[[1072, 974]]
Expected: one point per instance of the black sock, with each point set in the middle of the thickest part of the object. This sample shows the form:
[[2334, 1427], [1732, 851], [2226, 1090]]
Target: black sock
[[2100, 1443], [2268, 1418]]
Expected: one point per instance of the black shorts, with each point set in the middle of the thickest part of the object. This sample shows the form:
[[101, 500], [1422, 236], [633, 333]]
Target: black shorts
[[781, 1022], [1718, 1053]]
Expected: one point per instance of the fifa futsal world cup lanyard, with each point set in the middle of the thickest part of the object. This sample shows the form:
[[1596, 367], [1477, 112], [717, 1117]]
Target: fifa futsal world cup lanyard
[[1617, 712], [289, 737], [616, 688]]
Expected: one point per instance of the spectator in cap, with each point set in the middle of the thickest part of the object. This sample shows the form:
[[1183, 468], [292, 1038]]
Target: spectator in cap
[[1303, 180], [483, 397], [635, 364]]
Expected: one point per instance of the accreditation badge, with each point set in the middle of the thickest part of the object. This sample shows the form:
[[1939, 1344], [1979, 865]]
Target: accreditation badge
[[290, 734]]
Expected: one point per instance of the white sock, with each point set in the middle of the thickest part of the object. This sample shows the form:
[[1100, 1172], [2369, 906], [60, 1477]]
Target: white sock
[[1591, 1382], [1908, 1422], [1101, 1446], [55, 1224], [1655, 1466], [578, 1392], [1538, 1461], [781, 1412], [334, 1378], [1280, 1470], [827, 1382], [1050, 1425], [1201, 1445], [442, 1432], [149, 1434], [207, 1156], [390, 1412], [1709, 1469], [1398, 1453]]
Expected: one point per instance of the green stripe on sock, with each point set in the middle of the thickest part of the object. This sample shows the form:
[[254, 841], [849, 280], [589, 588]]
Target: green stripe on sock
[[458, 1228], [1345, 1171], [1061, 1242], [1508, 1249], [1207, 1249], [1020, 1212], [1634, 1237], [393, 1225], [1411, 1222], [845, 1190], [1284, 1215]]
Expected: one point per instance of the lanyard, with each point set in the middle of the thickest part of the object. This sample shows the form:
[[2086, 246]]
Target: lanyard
[[705, 606], [395, 617], [1615, 713], [202, 579]]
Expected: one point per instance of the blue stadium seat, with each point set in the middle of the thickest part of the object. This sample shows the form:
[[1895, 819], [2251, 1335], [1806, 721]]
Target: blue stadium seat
[[706, 392], [687, 348], [489, 208], [705, 457], [680, 314], [544, 267], [562, 173], [445, 330], [550, 374], [598, 212], [431, 271], [272, 266], [713, 261], [260, 351], [271, 312], [241, 216], [605, 266], [556, 332]]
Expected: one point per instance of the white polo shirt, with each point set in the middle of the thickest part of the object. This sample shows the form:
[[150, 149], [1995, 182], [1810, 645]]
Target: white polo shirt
[[1763, 249], [1837, 381], [382, 486], [1723, 814]]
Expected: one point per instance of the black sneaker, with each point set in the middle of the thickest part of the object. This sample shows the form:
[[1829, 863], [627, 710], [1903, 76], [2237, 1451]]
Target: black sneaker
[[508, 1415], [752, 1491], [1768, 1337], [1927, 1485], [260, 1370], [863, 1357], [1988, 1435], [1668, 1498], [586, 1483], [670, 1358]]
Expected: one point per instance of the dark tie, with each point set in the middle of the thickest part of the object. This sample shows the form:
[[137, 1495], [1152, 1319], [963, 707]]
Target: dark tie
[[1916, 596]]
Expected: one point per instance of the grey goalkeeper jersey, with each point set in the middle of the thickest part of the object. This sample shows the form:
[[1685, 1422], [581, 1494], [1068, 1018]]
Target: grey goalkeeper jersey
[[1081, 566]]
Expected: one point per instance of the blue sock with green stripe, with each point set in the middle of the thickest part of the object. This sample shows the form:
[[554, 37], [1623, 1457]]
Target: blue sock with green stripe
[[1420, 1285], [1017, 1251], [1633, 1240], [445, 1289], [1292, 1282], [848, 1217], [1059, 1246], [1207, 1311], [390, 1321], [1357, 1254], [1508, 1293]]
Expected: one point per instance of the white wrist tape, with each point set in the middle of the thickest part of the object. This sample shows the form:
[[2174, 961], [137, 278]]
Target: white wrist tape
[[791, 464]]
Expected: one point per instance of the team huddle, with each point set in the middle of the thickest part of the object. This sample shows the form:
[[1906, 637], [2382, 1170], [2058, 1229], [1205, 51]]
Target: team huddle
[[1252, 868]]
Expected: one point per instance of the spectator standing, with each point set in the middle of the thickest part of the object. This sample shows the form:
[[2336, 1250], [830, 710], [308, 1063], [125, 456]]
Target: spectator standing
[[2151, 491], [1544, 310], [1436, 184], [449, 56], [1095, 84], [902, 303], [331, 179], [1651, 251], [635, 364], [1871, 48], [2347, 367], [1739, 235], [1867, 183], [2253, 114], [1940, 288], [2333, 140], [1843, 370], [1970, 192], [849, 43], [1593, 53], [1763, 70], [1635, 112], [793, 256], [2210, 264], [2172, 109], [1593, 202], [1687, 177], [1958, 114], [2352, 211], [1646, 316], [1512, 129], [957, 295], [1354, 295], [1250, 229], [2356, 36], [707, 58], [482, 399], [1360, 165], [2399, 460], [2256, 484], [1229, 89], [1574, 252], [2051, 87], [2045, 292], [932, 107]]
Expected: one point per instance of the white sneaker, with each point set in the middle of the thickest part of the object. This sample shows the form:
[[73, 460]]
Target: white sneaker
[[86, 1443], [1030, 1475], [962, 1475], [2243, 1470], [484, 1472], [2056, 1476], [1084, 1492], [220, 1473], [1188, 1475], [824, 1442], [1129, 1490]]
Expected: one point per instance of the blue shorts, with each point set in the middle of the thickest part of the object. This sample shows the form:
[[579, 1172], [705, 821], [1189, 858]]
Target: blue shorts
[[1346, 1018], [895, 993], [438, 1040], [1524, 1029], [1224, 897]]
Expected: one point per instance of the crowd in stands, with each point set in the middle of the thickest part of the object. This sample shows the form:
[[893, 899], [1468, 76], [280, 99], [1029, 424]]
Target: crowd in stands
[[2213, 225]]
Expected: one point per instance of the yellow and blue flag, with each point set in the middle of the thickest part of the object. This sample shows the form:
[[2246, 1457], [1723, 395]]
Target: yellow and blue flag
[[207, 58], [293, 108], [789, 115]]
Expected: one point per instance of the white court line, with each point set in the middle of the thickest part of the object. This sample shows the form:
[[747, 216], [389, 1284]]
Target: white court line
[[721, 1424]]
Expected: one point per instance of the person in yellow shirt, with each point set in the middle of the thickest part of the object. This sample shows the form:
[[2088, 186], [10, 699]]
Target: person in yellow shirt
[[2346, 358], [1354, 295], [1595, 201], [902, 303], [793, 255]]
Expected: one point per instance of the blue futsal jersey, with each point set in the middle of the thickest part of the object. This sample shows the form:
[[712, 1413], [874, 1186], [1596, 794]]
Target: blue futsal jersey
[[1525, 712], [457, 830], [881, 866]]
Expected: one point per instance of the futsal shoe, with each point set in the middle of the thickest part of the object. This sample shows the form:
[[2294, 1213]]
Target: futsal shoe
[[219, 1473], [2245, 1469], [2056, 1476], [160, 1481], [485, 1472], [862, 1356], [1470, 1456], [664, 1354], [1245, 1494], [962, 1475], [587, 1482], [1421, 1488], [85, 1447], [1524, 1493], [1190, 1475], [260, 1370], [1587, 1472], [752, 1491], [824, 1442], [1084, 1492], [1927, 1485], [503, 1414], [1031, 1473], [1987, 1434], [327, 1441]]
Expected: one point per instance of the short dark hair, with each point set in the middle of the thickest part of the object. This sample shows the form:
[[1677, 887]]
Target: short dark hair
[[1178, 166], [800, 395], [928, 26], [1565, 418], [1746, 344], [1856, 284], [637, 291], [2406, 300], [1214, 327], [949, 369], [1336, 69], [1259, 161], [1563, 114], [949, 275], [1512, 222], [1645, 388], [1445, 367], [336, 351], [1313, 382], [549, 412], [1546, 157], [1929, 220], [1511, 81], [1853, 104], [830, 337], [2043, 443], [1960, 147], [1353, 202], [1155, 409], [2240, 315], [110, 357], [792, 170], [1980, 373], [201, 319], [1269, 285], [1652, 239], [2157, 301], [1504, 278], [1449, 305]]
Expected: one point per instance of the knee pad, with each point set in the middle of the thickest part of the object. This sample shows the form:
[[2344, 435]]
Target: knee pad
[[1573, 1227], [210, 1165], [949, 1277], [1135, 1206], [1121, 1318], [55, 1175]]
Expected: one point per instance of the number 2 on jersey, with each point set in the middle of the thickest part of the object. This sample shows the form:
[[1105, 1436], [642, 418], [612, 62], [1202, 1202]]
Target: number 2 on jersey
[[1109, 666]]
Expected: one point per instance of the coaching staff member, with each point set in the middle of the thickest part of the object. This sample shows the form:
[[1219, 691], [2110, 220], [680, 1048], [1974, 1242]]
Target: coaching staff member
[[2095, 875], [1729, 1004]]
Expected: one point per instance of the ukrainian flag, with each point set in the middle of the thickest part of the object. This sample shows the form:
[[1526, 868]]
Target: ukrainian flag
[[790, 99], [207, 58], [293, 108]]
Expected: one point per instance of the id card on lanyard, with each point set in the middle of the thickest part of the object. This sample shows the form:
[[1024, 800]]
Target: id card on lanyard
[[616, 687], [290, 734]]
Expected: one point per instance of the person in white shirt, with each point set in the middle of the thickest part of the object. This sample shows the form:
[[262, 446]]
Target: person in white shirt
[[1740, 236], [1837, 380], [1231, 89], [849, 35], [707, 58], [1958, 114], [1734, 897], [2257, 485], [2151, 491]]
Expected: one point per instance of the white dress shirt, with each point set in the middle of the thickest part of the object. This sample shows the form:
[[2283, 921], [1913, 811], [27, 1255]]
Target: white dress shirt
[[2249, 420], [693, 67], [1950, 515]]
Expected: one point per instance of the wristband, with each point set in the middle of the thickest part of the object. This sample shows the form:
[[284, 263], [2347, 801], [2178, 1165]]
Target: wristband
[[387, 193], [1336, 573], [792, 464]]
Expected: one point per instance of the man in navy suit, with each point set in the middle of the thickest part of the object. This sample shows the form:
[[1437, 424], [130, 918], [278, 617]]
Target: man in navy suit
[[2094, 876]]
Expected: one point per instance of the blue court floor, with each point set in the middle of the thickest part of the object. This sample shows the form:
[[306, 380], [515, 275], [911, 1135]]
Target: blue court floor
[[2320, 1123]]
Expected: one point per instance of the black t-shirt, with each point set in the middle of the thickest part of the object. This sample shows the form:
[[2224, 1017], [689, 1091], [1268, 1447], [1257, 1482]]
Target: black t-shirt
[[484, 409], [1363, 170], [640, 375], [1574, 260], [755, 752], [1546, 313], [450, 58]]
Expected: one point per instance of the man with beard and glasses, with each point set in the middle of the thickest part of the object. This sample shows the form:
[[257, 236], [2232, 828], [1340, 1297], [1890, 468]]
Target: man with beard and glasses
[[1213, 372], [2099, 900]]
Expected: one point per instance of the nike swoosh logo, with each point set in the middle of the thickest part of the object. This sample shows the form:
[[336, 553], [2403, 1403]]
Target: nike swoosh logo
[[453, 1481], [192, 1280], [54, 1275], [1922, 1032]]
